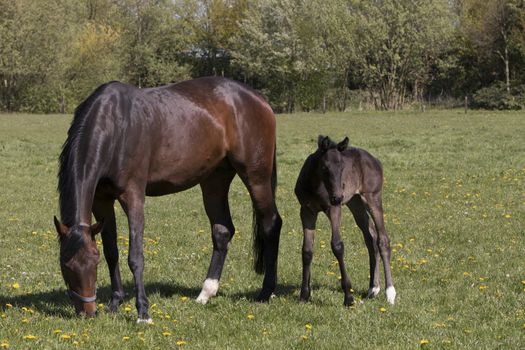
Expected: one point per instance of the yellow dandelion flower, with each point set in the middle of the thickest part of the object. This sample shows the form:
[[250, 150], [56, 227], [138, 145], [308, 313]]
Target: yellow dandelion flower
[[15, 285], [10, 306], [56, 331], [308, 326], [125, 338], [180, 342], [76, 342], [184, 298], [382, 309], [4, 345], [250, 316], [482, 287], [29, 337], [127, 309], [166, 334], [508, 216], [423, 342], [522, 282], [65, 336], [304, 337]]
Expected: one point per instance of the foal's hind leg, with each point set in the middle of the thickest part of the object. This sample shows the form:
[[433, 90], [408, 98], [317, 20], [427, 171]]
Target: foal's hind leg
[[215, 195], [375, 207], [338, 249], [366, 226], [103, 210]]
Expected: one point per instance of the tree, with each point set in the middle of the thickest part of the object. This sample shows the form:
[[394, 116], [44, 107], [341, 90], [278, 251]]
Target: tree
[[35, 37], [496, 28], [153, 38], [398, 42]]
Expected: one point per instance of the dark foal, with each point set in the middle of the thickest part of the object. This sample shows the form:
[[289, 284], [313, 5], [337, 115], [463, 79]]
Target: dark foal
[[336, 175]]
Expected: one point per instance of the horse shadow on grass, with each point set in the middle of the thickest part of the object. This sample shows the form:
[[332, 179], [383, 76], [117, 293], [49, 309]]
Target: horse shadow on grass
[[56, 302]]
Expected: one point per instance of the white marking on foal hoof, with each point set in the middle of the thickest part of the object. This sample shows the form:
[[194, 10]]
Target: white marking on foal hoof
[[145, 321], [391, 295], [209, 289], [373, 292]]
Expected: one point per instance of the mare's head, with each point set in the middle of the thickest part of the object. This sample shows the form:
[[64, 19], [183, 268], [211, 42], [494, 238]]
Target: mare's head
[[331, 164], [79, 258]]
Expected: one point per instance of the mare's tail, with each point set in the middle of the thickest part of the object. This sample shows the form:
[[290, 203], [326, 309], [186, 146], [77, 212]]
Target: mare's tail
[[258, 239]]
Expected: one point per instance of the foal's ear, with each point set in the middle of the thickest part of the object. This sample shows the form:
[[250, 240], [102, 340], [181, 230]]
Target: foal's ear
[[62, 229], [96, 228], [341, 146], [323, 142]]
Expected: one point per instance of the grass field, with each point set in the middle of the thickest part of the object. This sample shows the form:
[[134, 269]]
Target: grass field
[[454, 203]]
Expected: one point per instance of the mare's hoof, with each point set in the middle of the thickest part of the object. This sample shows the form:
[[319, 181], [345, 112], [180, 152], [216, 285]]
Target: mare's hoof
[[263, 297], [349, 301], [147, 320]]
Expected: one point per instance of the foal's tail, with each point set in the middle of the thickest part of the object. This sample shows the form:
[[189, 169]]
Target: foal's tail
[[258, 239]]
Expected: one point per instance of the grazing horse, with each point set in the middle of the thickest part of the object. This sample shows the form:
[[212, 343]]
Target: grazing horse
[[125, 143], [332, 176]]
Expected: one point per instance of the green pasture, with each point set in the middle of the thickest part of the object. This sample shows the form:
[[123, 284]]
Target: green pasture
[[454, 203]]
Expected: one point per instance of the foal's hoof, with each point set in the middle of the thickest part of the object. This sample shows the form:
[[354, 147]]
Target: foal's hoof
[[391, 295], [373, 292]]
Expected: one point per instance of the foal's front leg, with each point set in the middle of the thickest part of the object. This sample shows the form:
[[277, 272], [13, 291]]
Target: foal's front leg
[[338, 248], [308, 220]]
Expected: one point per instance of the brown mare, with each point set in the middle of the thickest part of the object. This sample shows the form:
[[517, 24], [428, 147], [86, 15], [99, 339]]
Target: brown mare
[[125, 143], [335, 175]]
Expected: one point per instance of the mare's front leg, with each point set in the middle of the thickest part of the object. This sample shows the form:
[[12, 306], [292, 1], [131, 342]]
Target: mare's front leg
[[375, 207], [308, 220], [132, 202], [103, 210], [215, 195], [338, 248]]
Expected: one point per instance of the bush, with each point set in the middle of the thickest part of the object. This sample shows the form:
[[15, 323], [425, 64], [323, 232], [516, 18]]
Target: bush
[[496, 96]]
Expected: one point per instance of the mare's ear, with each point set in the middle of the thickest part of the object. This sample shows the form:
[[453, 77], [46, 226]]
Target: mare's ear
[[62, 229], [323, 142], [96, 228], [341, 146]]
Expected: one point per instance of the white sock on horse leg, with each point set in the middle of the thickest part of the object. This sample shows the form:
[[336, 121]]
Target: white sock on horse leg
[[209, 289]]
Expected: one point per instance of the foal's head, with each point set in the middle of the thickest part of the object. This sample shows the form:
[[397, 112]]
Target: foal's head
[[331, 167], [79, 257]]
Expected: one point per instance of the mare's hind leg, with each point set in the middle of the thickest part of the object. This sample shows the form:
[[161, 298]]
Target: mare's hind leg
[[366, 226], [103, 210], [375, 207], [215, 195], [338, 249], [268, 230], [308, 220]]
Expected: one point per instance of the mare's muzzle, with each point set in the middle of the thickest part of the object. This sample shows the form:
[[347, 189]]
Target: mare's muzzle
[[336, 200], [81, 302]]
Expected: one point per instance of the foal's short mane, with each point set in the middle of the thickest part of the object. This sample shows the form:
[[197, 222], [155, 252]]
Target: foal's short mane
[[68, 163]]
